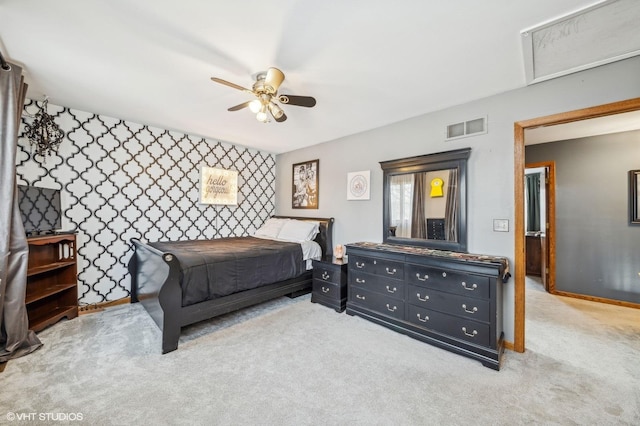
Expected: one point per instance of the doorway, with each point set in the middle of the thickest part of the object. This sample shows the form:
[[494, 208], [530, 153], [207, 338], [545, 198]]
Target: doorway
[[540, 247], [519, 172]]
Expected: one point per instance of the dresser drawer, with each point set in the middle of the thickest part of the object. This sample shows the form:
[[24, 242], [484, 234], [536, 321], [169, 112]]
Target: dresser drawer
[[449, 281], [382, 267], [388, 287], [377, 302], [462, 306], [459, 328], [327, 274]]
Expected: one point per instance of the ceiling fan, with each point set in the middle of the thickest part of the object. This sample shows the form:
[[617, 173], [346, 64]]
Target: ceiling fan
[[265, 89]]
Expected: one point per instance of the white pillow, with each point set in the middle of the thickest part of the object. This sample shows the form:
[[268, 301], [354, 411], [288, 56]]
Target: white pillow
[[271, 228], [299, 230]]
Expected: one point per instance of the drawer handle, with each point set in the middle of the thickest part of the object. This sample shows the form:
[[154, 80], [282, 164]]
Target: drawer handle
[[390, 309], [391, 272], [444, 275], [425, 319], [392, 290], [426, 276], [359, 265], [472, 334], [360, 281], [426, 297], [466, 287], [473, 311], [360, 297], [325, 290], [325, 276]]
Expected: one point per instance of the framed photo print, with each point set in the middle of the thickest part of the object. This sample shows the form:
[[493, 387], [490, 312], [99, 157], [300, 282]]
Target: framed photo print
[[358, 185], [218, 186], [305, 185]]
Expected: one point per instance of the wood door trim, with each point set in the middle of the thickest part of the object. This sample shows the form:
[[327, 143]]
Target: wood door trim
[[519, 166]]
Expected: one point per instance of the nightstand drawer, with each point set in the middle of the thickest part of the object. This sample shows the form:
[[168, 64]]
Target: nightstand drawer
[[329, 290], [326, 274]]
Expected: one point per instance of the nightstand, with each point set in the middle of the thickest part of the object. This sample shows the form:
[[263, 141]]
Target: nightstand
[[330, 283]]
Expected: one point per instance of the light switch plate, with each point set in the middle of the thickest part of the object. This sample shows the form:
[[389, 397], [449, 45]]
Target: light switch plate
[[501, 225]]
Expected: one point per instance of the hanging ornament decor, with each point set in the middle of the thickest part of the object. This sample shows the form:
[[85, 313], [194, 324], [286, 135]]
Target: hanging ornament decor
[[44, 134]]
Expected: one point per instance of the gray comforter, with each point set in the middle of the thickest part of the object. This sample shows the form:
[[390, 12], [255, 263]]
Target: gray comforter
[[220, 267]]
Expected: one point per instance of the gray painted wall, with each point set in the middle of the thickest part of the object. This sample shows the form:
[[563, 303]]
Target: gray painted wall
[[596, 248], [491, 190]]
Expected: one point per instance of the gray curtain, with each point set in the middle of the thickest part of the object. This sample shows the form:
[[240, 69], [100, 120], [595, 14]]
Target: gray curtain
[[15, 337], [451, 211], [418, 220], [533, 202]]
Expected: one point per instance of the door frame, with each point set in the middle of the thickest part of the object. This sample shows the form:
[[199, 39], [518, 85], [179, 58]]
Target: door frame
[[519, 167]]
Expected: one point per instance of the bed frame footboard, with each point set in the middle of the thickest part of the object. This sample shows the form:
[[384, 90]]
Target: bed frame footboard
[[155, 284]]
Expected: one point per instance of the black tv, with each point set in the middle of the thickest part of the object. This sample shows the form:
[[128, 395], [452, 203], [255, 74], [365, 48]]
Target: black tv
[[40, 208]]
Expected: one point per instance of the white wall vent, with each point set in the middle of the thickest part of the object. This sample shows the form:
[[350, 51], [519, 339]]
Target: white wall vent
[[597, 35], [477, 126]]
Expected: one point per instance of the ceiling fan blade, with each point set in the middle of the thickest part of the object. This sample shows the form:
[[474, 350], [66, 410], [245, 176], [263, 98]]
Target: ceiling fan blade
[[240, 106], [274, 79], [228, 83], [305, 101]]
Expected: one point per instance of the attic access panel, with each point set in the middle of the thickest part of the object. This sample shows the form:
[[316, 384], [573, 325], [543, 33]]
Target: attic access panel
[[597, 35]]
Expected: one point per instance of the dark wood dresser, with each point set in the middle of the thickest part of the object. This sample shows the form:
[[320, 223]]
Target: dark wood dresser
[[330, 283], [448, 299]]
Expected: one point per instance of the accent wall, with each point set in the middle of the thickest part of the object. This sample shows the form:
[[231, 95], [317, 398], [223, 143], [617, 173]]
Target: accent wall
[[121, 180]]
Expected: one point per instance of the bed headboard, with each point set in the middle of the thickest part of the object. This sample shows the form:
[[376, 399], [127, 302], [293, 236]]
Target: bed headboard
[[325, 236]]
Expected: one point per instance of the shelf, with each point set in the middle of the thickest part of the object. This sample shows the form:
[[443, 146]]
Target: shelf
[[49, 291], [49, 267], [38, 323], [52, 280]]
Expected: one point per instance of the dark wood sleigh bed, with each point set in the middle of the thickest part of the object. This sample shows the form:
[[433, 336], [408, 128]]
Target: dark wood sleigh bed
[[156, 284]]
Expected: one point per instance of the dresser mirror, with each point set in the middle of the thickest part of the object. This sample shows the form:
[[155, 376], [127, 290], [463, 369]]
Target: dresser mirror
[[425, 200]]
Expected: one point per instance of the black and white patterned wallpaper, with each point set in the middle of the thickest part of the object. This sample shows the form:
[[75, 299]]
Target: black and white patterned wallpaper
[[121, 180]]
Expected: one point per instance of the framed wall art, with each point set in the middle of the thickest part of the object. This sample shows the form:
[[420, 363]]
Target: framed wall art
[[634, 197], [305, 185], [218, 186], [359, 185]]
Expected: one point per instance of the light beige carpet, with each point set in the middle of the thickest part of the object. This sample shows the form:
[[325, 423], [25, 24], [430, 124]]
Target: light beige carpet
[[292, 362]]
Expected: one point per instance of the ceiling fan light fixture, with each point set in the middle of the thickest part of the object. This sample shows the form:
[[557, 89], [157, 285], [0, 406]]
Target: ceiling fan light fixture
[[255, 106], [273, 80], [262, 114], [275, 110]]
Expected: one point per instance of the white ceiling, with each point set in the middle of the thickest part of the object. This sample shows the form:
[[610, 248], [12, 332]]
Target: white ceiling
[[624, 122], [367, 62]]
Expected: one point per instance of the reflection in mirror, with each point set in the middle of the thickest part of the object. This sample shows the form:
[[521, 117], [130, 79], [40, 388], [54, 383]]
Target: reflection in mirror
[[425, 200], [423, 205]]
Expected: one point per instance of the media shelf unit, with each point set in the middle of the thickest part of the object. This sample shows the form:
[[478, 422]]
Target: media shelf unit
[[52, 281]]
